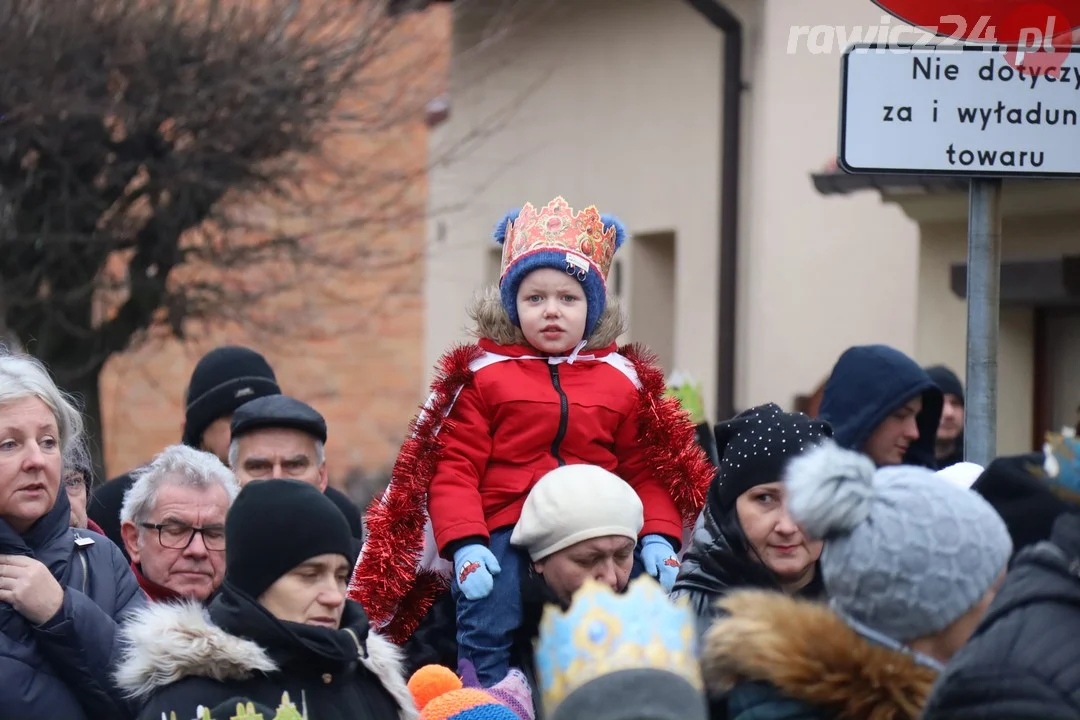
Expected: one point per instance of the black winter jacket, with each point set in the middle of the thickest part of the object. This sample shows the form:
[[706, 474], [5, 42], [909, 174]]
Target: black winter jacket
[[1023, 663], [60, 669], [178, 656]]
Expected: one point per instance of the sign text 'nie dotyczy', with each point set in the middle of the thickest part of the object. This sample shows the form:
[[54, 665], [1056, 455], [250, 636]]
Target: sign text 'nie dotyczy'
[[957, 111]]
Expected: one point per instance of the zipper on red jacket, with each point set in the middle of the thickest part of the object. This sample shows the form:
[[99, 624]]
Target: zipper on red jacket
[[564, 411]]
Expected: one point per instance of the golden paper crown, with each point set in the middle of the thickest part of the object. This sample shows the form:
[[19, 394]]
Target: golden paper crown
[[603, 632], [287, 710], [556, 227]]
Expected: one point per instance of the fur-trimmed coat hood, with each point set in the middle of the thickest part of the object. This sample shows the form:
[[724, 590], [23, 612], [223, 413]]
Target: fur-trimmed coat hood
[[807, 654], [491, 322], [174, 655]]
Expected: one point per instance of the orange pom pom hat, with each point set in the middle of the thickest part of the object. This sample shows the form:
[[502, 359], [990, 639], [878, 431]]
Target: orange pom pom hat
[[439, 695]]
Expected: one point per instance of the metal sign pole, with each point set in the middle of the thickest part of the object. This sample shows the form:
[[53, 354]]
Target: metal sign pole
[[983, 298]]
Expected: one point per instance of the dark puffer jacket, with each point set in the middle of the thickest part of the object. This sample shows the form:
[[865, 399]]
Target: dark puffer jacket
[[181, 655], [1022, 662], [61, 669], [716, 564]]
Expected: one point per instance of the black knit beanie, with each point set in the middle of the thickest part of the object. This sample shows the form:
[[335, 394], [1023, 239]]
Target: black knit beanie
[[1016, 486], [223, 380], [273, 526], [755, 446], [946, 380]]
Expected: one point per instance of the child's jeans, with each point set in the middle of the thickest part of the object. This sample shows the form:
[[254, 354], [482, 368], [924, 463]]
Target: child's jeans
[[486, 627]]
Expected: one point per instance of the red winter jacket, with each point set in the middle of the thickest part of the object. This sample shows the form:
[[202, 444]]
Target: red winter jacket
[[521, 418]]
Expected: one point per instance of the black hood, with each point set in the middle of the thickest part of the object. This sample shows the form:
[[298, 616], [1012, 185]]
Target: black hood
[[868, 384]]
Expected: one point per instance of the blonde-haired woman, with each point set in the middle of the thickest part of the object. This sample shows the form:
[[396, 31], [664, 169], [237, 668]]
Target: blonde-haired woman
[[62, 590]]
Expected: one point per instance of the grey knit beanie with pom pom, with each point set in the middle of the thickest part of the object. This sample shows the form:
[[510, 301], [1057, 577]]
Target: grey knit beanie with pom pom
[[906, 553]]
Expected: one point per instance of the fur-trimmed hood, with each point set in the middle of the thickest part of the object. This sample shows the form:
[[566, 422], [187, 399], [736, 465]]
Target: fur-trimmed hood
[[167, 642], [809, 654], [492, 323]]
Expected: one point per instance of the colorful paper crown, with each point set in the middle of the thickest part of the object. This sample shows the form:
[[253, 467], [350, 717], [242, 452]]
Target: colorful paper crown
[[581, 243], [237, 709], [603, 633], [1061, 464], [589, 240]]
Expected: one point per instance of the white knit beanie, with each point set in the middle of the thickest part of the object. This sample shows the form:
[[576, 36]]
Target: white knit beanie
[[963, 474], [575, 503]]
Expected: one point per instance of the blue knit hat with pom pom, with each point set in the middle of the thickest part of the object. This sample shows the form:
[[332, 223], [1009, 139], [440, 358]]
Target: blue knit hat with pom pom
[[582, 244]]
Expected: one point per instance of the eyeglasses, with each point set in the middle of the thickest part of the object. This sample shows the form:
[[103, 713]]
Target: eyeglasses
[[178, 536]]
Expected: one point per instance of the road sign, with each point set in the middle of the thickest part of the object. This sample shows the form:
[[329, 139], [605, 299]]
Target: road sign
[[957, 110], [1033, 24]]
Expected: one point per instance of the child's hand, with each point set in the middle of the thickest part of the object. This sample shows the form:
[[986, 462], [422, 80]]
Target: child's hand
[[660, 560], [474, 566]]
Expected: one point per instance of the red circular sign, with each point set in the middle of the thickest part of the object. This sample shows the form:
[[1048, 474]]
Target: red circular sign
[[1036, 35]]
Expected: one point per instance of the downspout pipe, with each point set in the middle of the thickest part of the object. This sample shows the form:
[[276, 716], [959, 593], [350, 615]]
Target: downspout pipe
[[731, 92]]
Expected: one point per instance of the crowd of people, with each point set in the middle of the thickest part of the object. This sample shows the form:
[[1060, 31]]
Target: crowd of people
[[558, 540]]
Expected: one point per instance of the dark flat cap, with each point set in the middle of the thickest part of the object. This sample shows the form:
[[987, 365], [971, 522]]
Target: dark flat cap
[[278, 411]]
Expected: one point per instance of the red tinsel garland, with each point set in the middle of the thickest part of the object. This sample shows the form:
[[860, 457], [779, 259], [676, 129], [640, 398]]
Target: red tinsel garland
[[415, 606], [386, 581], [668, 437]]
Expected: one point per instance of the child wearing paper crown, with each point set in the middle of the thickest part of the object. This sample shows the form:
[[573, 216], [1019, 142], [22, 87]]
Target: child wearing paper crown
[[545, 386]]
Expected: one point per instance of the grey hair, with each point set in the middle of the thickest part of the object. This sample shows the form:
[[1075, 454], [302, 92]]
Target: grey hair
[[234, 453], [181, 465], [23, 376]]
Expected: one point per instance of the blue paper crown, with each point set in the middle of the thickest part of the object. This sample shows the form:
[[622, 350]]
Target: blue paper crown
[[1061, 463], [603, 633]]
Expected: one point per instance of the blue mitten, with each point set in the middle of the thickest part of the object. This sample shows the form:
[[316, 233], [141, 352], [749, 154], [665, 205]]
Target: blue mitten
[[474, 566], [660, 560]]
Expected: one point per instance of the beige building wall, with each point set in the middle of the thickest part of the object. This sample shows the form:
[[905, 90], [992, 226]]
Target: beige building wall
[[617, 103], [607, 102], [819, 274]]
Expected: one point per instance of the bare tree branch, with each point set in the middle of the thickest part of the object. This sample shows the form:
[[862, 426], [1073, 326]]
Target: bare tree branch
[[171, 164], [171, 167], [140, 140]]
